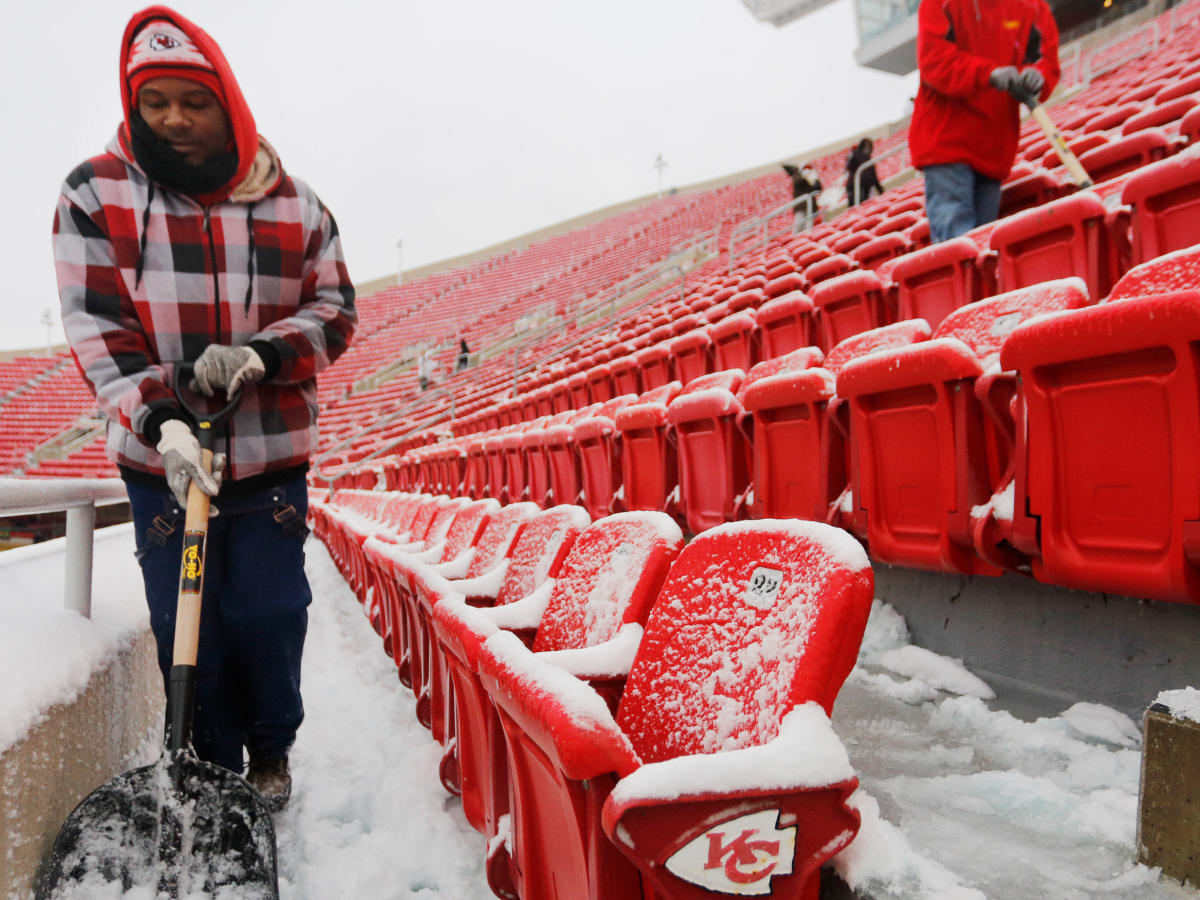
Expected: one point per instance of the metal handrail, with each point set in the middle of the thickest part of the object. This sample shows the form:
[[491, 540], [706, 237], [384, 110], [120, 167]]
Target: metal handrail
[[1093, 71], [79, 497], [762, 222], [435, 419]]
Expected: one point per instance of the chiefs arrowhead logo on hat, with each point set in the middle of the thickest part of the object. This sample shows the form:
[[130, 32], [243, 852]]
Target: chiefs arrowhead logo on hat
[[162, 43]]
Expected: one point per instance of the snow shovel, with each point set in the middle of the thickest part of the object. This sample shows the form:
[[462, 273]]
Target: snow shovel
[[179, 825], [1054, 136]]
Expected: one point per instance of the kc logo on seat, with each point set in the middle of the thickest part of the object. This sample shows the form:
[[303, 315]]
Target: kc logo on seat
[[740, 856]]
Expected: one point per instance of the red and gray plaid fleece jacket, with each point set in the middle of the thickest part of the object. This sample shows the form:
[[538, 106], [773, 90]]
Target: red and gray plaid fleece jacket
[[264, 268]]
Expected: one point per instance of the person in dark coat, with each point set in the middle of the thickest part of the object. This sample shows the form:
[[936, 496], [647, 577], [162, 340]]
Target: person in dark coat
[[804, 181], [464, 355], [864, 150]]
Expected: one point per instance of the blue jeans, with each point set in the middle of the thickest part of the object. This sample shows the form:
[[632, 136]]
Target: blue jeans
[[957, 199], [254, 614]]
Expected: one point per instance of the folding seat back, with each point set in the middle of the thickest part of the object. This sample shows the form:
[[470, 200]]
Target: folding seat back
[[560, 395], [1165, 199], [848, 305], [785, 323], [784, 284], [713, 468], [577, 390], [625, 375], [562, 458], [540, 548], [1078, 146], [1111, 118], [922, 453], [1107, 468], [934, 281], [1063, 238], [875, 252], [754, 619], [496, 540], [649, 461], [746, 300], [542, 401], [684, 324], [898, 222], [515, 470], [654, 366], [1189, 126], [599, 457], [811, 255], [609, 578], [497, 473], [1178, 88], [1167, 115], [1028, 191], [1125, 155], [755, 629], [735, 341], [794, 471], [830, 267], [691, 354], [443, 518], [1174, 271], [469, 523]]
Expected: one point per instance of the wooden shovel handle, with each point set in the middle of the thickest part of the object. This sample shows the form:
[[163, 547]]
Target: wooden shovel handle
[[1068, 157], [191, 571]]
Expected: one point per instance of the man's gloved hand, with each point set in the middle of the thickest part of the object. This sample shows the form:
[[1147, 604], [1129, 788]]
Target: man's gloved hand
[[181, 458], [1032, 81], [220, 366], [1005, 78]]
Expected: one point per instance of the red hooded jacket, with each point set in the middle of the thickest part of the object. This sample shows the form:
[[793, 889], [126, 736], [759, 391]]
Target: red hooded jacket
[[958, 117]]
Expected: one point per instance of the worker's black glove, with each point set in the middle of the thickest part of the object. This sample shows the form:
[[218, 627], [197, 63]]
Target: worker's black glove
[[181, 459], [1004, 78], [1032, 81]]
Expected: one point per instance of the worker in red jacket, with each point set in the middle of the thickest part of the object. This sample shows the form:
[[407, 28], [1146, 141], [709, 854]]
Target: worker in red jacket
[[977, 58]]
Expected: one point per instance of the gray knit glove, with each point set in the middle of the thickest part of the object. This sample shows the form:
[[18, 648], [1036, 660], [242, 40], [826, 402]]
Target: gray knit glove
[[1032, 81], [227, 368], [181, 459], [1004, 78]]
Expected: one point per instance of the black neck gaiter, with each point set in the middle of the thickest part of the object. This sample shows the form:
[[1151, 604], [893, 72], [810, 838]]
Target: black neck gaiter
[[164, 165]]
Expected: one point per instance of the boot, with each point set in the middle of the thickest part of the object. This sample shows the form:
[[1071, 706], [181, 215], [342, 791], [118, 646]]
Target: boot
[[272, 780]]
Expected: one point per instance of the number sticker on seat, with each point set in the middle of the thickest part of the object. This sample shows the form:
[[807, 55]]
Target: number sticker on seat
[[763, 587]]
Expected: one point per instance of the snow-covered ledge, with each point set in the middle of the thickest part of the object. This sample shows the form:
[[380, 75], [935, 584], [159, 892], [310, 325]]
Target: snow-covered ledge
[[80, 698], [79, 497]]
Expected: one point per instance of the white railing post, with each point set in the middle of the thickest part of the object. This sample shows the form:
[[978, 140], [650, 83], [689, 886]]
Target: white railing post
[[79, 498], [77, 589]]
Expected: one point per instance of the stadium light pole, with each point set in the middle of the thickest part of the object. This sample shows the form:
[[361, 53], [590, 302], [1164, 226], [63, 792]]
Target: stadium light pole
[[660, 164], [399, 261]]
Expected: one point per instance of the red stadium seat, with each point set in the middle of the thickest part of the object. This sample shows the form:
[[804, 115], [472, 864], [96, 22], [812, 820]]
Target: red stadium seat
[[1165, 201], [1106, 487], [781, 607], [922, 453], [933, 282], [691, 354], [849, 304], [654, 366], [713, 468], [734, 341], [595, 441], [785, 324], [1066, 237], [1126, 154], [1111, 118], [1189, 126], [626, 376], [874, 253], [537, 555], [1167, 115], [1028, 191], [829, 267], [649, 460]]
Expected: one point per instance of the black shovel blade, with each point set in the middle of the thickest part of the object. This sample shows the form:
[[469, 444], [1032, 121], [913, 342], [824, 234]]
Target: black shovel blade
[[209, 834]]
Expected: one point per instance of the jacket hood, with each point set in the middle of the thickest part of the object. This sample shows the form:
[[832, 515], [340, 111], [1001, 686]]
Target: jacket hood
[[245, 133]]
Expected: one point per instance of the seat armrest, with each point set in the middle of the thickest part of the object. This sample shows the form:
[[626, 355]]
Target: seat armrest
[[604, 661], [525, 613]]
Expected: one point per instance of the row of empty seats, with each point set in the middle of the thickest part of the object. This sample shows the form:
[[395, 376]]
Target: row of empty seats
[[623, 716]]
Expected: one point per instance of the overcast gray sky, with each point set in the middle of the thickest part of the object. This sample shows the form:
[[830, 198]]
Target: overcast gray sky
[[451, 125]]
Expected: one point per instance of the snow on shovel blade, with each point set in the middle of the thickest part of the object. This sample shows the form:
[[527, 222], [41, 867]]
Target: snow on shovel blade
[[210, 835]]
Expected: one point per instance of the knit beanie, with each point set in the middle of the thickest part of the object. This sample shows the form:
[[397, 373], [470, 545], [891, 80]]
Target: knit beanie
[[162, 50]]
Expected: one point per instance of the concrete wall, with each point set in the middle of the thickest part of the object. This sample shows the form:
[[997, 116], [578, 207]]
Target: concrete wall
[[1043, 648], [73, 750]]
